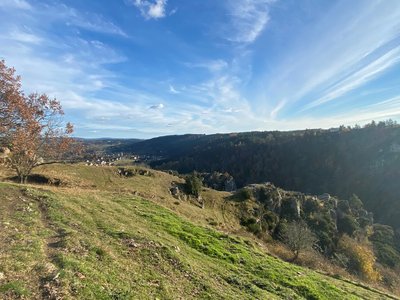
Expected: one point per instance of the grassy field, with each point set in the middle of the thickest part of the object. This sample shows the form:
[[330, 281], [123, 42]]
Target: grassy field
[[102, 236]]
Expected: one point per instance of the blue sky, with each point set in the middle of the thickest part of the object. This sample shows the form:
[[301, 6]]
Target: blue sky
[[145, 68]]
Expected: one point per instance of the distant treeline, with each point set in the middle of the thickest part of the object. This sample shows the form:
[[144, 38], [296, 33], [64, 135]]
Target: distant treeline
[[341, 161]]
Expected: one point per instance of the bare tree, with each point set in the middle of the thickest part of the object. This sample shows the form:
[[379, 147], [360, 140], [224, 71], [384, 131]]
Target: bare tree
[[260, 214], [298, 237]]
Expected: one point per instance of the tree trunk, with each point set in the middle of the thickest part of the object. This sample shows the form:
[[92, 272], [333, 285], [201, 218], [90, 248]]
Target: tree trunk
[[296, 255]]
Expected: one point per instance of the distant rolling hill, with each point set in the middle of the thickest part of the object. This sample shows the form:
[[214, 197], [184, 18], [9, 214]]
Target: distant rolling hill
[[364, 161], [104, 144]]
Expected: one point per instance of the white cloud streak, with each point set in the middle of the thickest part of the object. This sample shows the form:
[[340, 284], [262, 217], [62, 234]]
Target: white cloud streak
[[360, 77], [151, 9], [343, 51], [18, 4], [172, 90], [277, 108], [23, 37], [76, 71], [213, 65], [248, 19]]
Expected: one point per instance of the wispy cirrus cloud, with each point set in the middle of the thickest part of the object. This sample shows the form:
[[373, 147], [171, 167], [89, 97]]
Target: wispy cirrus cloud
[[56, 13], [212, 65], [68, 66], [23, 36], [277, 108], [248, 19], [383, 110], [359, 77], [75, 18], [345, 51], [286, 66], [18, 4], [94, 23], [172, 89]]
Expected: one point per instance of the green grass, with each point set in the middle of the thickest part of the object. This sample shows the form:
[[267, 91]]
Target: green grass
[[98, 240], [14, 288]]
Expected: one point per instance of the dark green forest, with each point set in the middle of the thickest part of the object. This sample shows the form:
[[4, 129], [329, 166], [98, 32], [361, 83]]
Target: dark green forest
[[343, 161]]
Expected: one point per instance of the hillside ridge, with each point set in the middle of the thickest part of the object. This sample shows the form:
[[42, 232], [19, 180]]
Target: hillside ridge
[[341, 161], [102, 236]]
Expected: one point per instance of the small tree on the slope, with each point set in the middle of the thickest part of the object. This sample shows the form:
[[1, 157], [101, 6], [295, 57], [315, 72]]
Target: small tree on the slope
[[31, 126], [360, 256], [298, 237], [355, 202], [193, 184]]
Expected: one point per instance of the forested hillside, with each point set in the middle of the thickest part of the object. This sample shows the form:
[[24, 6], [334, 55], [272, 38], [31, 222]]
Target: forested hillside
[[362, 161]]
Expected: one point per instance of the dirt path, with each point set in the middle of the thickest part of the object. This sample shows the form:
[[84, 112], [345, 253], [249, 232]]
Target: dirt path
[[49, 282]]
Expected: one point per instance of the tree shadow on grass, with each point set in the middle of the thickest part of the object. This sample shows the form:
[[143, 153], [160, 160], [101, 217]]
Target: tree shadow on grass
[[38, 179]]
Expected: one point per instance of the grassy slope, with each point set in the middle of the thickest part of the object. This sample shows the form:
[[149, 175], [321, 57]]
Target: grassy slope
[[107, 237]]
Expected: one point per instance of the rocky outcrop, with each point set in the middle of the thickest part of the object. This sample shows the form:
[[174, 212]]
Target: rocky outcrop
[[230, 185], [323, 213], [129, 172], [219, 181]]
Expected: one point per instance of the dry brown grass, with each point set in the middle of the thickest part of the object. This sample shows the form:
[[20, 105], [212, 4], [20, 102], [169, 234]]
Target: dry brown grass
[[218, 212], [5, 173]]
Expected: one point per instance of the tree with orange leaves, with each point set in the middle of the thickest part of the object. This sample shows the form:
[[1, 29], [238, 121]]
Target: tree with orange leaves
[[30, 126]]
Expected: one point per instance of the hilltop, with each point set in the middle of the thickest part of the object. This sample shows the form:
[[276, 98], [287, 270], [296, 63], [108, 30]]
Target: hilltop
[[91, 233]]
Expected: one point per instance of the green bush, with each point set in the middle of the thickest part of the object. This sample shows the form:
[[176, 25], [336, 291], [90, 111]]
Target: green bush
[[355, 202], [271, 220], [325, 229], [193, 184], [383, 240], [251, 225], [311, 206], [347, 224], [344, 206], [244, 194]]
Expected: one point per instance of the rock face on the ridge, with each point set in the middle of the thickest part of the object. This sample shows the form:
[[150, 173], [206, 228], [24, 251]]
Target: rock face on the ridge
[[230, 185], [219, 181], [289, 204], [327, 216], [268, 195], [175, 191]]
